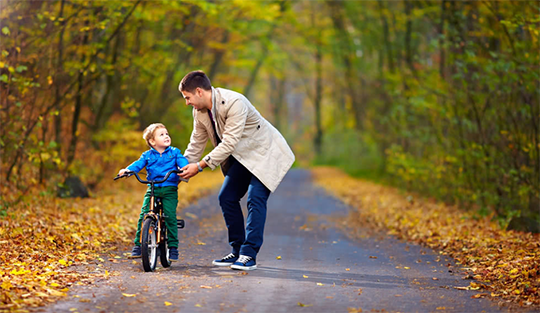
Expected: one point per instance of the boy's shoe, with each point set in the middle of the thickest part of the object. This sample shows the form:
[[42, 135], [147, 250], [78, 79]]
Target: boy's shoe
[[173, 254], [226, 260], [245, 263], [136, 252]]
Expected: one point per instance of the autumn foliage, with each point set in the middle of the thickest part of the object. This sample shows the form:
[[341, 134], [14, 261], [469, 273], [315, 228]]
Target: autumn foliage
[[43, 239], [504, 264]]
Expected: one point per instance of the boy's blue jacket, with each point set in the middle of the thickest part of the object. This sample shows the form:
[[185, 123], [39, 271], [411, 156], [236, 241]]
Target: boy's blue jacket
[[158, 165]]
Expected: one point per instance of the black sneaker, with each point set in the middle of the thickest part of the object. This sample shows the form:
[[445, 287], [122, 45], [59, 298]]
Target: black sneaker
[[226, 260], [136, 252], [245, 263], [173, 254]]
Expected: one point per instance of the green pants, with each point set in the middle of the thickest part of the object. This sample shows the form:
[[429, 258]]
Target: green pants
[[169, 197]]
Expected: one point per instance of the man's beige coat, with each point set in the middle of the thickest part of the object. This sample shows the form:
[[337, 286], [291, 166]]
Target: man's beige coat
[[244, 134]]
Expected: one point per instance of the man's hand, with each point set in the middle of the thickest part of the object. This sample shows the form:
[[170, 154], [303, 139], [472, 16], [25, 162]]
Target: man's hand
[[189, 171]]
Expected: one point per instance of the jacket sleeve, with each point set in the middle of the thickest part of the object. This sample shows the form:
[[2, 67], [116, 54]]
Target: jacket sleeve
[[138, 165], [235, 117], [197, 142]]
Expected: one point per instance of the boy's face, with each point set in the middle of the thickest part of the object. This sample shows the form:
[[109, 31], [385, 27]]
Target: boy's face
[[161, 139]]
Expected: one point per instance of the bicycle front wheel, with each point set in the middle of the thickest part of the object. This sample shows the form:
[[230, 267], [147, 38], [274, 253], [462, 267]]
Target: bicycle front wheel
[[149, 245]]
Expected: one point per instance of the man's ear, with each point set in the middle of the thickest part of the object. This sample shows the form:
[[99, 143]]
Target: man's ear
[[198, 90]]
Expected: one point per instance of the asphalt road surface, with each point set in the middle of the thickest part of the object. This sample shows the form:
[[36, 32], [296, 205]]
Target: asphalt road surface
[[308, 263]]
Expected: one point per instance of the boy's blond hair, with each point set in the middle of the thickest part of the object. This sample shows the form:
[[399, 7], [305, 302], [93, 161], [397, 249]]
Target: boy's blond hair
[[150, 131]]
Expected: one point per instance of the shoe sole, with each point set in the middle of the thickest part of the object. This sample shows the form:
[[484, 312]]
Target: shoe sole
[[244, 268], [222, 263]]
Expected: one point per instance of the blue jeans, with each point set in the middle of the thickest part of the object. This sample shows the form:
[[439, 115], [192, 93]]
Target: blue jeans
[[238, 181]]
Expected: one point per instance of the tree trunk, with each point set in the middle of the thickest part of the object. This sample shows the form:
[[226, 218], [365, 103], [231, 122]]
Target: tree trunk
[[317, 141], [77, 110], [442, 50], [218, 57], [387, 44], [58, 80], [264, 54]]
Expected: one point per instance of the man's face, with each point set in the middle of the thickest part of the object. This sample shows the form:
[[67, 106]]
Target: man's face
[[195, 99]]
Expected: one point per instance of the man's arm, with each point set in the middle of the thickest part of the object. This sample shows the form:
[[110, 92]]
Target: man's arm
[[236, 116], [197, 141]]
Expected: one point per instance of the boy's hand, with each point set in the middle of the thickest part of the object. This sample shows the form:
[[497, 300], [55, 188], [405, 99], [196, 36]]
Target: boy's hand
[[189, 171], [122, 171]]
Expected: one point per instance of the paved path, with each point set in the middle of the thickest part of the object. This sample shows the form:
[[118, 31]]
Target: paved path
[[307, 264]]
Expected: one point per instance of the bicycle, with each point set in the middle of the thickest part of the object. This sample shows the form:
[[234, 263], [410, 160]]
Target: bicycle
[[154, 231]]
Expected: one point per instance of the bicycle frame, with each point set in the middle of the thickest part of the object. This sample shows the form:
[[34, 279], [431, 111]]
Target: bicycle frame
[[153, 212]]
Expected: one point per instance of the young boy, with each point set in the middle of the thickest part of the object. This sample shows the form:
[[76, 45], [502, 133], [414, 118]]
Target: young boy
[[159, 160]]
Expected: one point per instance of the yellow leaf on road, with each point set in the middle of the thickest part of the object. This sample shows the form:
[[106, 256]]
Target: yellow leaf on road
[[320, 284], [305, 276], [303, 305], [129, 295], [279, 258], [167, 303]]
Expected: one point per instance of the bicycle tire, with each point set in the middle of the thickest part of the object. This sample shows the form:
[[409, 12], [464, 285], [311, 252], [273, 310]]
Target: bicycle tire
[[149, 245], [164, 254]]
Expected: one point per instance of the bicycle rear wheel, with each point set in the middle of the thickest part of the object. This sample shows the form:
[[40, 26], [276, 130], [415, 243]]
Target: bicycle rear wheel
[[149, 245], [164, 254]]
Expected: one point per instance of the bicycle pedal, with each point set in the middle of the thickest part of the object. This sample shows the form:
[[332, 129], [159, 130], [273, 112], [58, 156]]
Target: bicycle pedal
[[180, 223]]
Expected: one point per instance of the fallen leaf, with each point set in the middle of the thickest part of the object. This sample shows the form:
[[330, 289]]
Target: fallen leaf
[[206, 287], [305, 276], [279, 258], [128, 295], [303, 305], [320, 284], [167, 303]]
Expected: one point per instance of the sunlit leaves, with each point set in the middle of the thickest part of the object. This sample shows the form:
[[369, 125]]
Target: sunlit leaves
[[506, 263], [52, 235]]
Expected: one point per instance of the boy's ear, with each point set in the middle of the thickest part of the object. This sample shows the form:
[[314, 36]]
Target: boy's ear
[[152, 142]]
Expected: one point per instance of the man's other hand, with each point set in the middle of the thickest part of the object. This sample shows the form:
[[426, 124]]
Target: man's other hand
[[189, 171]]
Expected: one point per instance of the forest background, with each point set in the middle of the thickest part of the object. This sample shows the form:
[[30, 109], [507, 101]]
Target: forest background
[[436, 97]]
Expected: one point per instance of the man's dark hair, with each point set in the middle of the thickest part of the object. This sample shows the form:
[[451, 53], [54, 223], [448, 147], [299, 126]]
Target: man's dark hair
[[194, 80]]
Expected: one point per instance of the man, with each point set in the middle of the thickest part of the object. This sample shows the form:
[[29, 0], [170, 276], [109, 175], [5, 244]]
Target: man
[[253, 156]]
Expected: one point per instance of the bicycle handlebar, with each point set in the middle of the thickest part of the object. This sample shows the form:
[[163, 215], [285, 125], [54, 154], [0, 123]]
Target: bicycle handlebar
[[131, 173]]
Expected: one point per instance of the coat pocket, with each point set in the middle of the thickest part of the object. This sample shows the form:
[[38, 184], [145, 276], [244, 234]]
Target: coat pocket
[[261, 139]]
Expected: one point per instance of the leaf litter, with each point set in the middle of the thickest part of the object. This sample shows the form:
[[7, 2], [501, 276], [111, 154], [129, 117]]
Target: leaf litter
[[53, 235], [504, 263]]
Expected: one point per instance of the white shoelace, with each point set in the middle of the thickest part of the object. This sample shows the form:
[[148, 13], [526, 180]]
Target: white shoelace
[[229, 256], [244, 259]]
